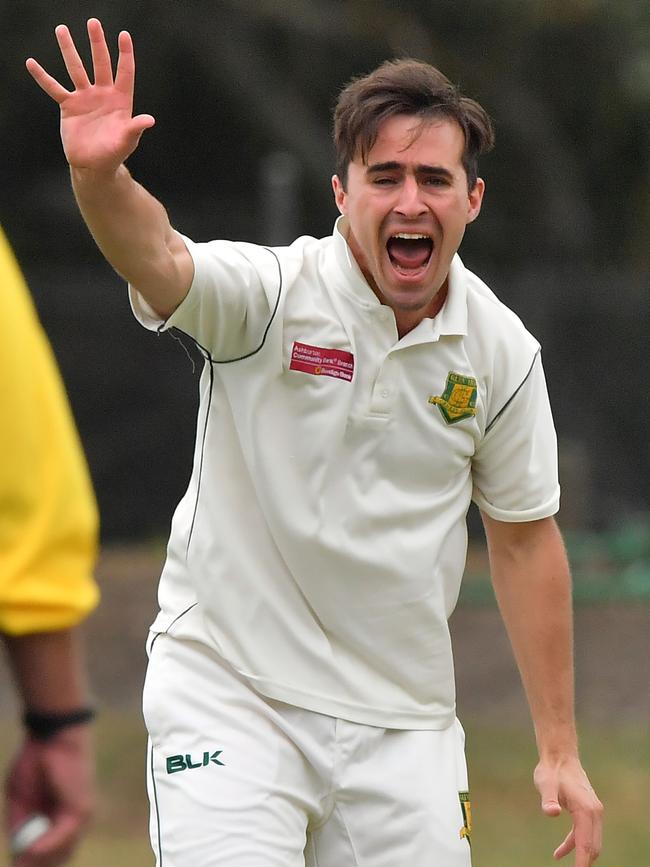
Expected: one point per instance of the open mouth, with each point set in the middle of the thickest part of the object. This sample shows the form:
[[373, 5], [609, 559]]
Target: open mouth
[[409, 253]]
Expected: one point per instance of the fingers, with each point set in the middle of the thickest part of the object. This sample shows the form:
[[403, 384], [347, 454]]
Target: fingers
[[125, 75], [567, 786], [73, 62], [586, 837], [56, 845], [45, 81], [566, 846], [102, 65], [596, 841], [587, 842], [103, 70]]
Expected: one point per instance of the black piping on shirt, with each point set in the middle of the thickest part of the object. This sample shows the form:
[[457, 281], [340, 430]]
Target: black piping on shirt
[[212, 361], [208, 354], [513, 395], [198, 484]]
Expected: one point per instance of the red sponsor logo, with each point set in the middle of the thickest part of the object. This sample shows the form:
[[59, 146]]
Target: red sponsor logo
[[322, 362]]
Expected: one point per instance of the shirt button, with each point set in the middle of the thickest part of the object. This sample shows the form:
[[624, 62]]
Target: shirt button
[[385, 392]]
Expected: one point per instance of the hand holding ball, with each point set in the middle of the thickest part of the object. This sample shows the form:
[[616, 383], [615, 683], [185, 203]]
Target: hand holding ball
[[29, 832]]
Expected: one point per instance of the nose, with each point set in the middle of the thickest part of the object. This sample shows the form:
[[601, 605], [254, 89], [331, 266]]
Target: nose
[[410, 203]]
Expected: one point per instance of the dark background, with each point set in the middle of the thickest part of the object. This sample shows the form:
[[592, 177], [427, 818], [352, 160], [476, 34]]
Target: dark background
[[242, 93]]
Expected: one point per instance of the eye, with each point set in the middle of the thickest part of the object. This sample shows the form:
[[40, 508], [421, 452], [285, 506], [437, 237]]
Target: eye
[[384, 182], [436, 181]]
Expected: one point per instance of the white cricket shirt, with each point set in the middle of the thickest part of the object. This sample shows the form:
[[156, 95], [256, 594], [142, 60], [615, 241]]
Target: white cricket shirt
[[321, 542]]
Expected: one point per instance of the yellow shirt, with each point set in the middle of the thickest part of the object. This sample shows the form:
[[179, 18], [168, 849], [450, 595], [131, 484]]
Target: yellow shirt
[[48, 514]]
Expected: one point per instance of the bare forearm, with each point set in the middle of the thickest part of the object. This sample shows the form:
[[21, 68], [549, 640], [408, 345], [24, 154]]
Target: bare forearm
[[533, 587], [134, 233], [49, 670], [532, 583], [52, 772]]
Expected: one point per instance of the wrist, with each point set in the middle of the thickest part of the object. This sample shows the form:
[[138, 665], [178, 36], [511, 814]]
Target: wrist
[[559, 755], [557, 739], [89, 181], [44, 726]]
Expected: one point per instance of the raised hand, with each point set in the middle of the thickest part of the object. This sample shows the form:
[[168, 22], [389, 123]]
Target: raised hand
[[98, 130], [99, 133]]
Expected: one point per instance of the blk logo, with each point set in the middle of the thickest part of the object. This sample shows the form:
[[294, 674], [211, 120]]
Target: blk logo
[[185, 762]]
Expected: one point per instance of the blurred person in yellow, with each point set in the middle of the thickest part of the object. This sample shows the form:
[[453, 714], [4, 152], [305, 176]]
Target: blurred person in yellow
[[48, 547]]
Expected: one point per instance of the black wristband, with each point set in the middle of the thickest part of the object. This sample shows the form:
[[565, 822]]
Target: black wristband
[[44, 726]]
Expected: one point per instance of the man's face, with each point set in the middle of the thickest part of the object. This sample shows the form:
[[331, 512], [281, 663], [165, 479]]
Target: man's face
[[407, 208]]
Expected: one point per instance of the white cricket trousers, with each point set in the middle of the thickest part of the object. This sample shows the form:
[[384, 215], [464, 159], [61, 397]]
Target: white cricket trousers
[[239, 780]]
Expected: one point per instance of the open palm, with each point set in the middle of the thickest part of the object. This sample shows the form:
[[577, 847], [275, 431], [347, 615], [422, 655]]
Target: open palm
[[98, 130]]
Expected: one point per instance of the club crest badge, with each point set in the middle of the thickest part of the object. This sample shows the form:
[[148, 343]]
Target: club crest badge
[[458, 400], [466, 807]]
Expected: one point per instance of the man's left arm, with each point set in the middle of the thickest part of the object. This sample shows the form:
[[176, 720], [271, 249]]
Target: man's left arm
[[532, 583]]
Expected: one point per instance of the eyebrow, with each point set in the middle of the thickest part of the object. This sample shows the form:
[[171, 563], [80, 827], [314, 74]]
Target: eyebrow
[[392, 166]]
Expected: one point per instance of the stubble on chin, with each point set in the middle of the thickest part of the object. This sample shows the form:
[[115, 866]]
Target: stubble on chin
[[413, 305]]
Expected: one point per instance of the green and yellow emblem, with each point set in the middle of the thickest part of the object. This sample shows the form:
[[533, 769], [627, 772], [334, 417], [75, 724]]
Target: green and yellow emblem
[[466, 807], [458, 400]]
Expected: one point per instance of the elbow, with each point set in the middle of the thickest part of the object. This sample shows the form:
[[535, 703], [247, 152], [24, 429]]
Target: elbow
[[165, 284]]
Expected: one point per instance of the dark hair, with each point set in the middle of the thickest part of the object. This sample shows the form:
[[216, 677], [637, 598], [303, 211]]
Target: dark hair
[[406, 87]]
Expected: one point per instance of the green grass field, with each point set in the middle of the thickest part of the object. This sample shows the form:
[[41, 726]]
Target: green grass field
[[509, 829]]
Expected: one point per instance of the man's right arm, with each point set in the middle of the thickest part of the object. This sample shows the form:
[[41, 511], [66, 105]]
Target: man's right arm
[[99, 133], [133, 231]]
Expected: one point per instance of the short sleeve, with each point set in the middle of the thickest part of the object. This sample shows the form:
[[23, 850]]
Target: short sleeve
[[515, 470], [231, 301]]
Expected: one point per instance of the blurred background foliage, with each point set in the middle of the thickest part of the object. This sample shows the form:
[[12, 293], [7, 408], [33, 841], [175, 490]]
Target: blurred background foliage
[[242, 91]]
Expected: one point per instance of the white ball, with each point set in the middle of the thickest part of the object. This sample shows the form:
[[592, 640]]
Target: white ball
[[28, 833]]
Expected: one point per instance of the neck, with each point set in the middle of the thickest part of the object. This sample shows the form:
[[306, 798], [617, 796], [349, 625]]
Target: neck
[[407, 319]]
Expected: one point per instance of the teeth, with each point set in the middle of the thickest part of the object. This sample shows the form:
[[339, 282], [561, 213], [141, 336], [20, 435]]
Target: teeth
[[410, 237]]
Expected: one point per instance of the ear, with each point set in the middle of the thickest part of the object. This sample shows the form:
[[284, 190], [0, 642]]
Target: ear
[[340, 196], [475, 200]]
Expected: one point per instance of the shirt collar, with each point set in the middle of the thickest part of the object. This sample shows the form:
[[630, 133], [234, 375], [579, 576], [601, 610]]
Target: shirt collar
[[452, 317], [354, 285]]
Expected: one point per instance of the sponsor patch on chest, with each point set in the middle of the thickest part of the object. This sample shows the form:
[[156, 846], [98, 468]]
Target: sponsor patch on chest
[[322, 362]]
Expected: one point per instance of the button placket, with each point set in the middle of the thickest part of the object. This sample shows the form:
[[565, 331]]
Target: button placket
[[384, 390], [384, 387]]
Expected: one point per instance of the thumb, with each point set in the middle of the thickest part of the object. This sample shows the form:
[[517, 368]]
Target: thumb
[[551, 807], [140, 123], [136, 128], [547, 786]]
